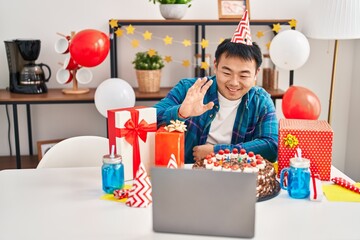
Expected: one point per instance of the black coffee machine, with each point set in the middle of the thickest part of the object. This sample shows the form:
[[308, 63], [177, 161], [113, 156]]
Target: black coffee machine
[[25, 75]]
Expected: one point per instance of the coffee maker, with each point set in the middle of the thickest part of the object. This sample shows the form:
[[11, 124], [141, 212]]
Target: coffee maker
[[25, 75]]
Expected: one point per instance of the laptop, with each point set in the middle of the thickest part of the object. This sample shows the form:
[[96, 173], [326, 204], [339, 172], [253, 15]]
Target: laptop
[[203, 202]]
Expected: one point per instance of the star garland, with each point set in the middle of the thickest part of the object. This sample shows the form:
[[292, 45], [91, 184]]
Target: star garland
[[168, 40]]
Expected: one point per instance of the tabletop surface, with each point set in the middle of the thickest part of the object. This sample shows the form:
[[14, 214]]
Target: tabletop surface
[[64, 203]]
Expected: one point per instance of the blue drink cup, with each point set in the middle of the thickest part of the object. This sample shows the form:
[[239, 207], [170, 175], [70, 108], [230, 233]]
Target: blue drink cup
[[112, 173], [298, 178]]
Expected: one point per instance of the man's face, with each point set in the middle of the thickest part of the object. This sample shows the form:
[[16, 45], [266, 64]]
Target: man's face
[[234, 76]]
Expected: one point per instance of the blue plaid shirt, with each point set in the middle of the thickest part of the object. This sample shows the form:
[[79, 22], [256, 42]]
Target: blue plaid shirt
[[255, 127]]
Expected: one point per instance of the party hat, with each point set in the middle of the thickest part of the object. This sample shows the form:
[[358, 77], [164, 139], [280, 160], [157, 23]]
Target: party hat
[[140, 193], [242, 32], [172, 162]]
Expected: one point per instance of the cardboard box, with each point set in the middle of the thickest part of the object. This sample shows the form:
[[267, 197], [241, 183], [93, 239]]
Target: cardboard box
[[132, 131], [167, 143], [313, 137]]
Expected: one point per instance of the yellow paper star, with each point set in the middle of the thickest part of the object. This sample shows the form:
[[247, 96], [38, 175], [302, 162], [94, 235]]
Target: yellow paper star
[[119, 32], [276, 27], [186, 63], [113, 23], [221, 40], [147, 35], [260, 34], [168, 59], [204, 65], [135, 43], [292, 23], [204, 43], [130, 29], [268, 45], [186, 43], [151, 52], [167, 40]]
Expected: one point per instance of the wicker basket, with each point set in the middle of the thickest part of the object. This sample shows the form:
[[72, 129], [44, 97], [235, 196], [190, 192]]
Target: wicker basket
[[148, 80]]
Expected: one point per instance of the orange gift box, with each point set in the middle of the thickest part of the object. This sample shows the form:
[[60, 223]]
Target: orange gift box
[[167, 143], [313, 137]]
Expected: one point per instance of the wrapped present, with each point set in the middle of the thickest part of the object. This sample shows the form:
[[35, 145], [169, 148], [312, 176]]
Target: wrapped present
[[314, 137], [170, 140], [132, 131]]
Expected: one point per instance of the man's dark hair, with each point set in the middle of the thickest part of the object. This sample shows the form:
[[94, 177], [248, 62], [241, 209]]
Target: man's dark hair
[[243, 51]]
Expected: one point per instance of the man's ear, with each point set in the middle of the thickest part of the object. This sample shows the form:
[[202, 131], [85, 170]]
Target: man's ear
[[215, 65], [257, 72]]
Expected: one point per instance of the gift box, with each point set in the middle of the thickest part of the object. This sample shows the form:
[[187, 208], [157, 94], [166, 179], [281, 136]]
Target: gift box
[[168, 143], [313, 137], [132, 131]]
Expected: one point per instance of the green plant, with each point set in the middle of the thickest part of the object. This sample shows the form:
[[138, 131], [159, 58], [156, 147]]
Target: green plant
[[172, 2], [143, 61]]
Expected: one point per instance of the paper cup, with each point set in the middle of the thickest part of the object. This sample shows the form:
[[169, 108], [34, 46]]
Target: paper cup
[[64, 76], [84, 75], [70, 64], [62, 46]]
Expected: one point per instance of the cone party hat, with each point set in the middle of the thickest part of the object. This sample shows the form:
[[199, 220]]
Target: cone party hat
[[172, 162], [140, 193], [242, 33]]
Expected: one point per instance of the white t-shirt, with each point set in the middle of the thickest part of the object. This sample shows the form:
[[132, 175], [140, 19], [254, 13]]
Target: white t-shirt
[[223, 123]]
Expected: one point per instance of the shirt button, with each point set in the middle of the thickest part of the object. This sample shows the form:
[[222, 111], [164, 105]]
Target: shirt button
[[211, 115]]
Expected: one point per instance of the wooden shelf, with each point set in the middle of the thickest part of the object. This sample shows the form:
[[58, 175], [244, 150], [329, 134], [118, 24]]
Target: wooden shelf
[[192, 22], [140, 96], [55, 95]]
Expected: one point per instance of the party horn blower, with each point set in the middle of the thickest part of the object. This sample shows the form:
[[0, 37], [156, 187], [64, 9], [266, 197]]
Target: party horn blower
[[342, 182]]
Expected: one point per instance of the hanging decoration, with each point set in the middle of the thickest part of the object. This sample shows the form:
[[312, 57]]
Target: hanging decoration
[[127, 31]]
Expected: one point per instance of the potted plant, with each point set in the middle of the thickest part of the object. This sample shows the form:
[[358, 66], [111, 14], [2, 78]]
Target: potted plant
[[148, 67], [173, 9]]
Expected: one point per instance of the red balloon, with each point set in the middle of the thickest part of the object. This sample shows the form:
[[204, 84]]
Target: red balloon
[[89, 47], [300, 103]]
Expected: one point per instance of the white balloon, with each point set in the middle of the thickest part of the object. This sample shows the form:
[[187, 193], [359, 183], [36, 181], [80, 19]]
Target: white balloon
[[289, 49], [113, 93]]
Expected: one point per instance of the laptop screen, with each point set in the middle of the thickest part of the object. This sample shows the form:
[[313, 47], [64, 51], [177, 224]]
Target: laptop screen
[[203, 202]]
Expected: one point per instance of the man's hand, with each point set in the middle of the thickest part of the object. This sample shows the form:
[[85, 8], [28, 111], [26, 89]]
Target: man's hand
[[201, 151], [193, 103]]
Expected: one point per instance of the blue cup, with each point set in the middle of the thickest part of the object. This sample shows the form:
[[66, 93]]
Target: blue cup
[[298, 178], [112, 172]]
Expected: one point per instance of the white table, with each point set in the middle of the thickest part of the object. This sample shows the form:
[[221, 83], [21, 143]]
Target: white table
[[65, 204]]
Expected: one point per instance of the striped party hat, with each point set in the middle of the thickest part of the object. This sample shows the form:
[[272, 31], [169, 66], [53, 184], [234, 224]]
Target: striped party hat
[[242, 32]]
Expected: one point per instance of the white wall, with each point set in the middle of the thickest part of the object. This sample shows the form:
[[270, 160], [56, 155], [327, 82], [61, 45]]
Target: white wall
[[352, 164], [42, 19]]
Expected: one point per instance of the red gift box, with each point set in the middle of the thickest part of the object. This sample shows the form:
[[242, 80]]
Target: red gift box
[[313, 137], [132, 131], [167, 143]]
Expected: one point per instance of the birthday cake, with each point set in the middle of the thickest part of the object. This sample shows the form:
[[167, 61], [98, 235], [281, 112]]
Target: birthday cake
[[233, 161]]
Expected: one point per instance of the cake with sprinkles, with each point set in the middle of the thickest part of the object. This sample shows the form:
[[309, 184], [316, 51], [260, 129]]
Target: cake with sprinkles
[[235, 161]]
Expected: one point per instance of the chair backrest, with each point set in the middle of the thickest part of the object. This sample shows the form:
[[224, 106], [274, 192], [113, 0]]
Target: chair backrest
[[81, 151]]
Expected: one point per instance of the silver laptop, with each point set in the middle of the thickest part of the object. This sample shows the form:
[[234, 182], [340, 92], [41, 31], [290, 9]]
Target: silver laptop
[[203, 202]]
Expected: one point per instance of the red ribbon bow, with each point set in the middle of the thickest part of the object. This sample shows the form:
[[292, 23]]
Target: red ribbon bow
[[132, 132]]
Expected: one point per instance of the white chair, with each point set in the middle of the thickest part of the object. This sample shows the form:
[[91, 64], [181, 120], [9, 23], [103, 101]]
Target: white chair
[[81, 151]]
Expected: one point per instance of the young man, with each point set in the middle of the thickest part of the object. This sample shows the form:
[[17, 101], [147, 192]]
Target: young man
[[225, 110]]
